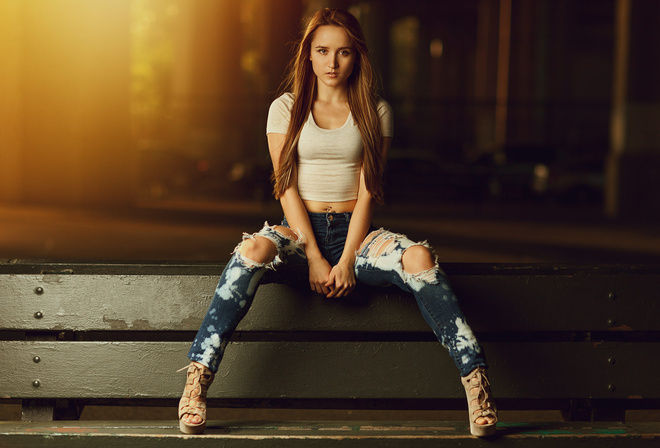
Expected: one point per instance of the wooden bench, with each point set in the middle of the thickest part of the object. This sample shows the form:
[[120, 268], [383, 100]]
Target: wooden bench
[[584, 340]]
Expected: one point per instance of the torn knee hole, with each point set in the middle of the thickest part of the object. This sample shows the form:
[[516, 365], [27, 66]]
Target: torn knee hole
[[418, 259], [257, 249]]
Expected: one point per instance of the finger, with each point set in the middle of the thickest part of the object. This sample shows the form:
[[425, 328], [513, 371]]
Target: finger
[[346, 290], [330, 287], [331, 280], [334, 289], [342, 291], [317, 288]]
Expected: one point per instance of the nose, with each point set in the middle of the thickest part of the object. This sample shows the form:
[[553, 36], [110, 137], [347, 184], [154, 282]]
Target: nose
[[333, 61]]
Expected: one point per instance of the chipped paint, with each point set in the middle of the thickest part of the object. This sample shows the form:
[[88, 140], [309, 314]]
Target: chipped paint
[[65, 430], [52, 278], [116, 324], [121, 324]]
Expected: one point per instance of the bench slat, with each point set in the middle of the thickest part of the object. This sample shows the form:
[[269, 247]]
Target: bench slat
[[575, 302], [319, 370], [580, 301], [163, 434]]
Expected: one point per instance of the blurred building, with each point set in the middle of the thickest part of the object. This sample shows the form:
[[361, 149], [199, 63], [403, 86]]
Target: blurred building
[[105, 102]]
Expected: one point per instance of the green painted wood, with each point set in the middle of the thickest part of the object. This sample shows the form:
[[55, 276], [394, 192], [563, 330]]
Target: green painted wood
[[201, 268], [105, 302], [324, 434], [128, 302], [551, 301], [327, 370], [579, 301]]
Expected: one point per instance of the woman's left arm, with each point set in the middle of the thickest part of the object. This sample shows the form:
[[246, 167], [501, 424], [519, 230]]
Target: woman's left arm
[[341, 280]]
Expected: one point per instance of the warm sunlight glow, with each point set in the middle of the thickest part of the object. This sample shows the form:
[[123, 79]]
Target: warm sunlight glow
[[71, 57]]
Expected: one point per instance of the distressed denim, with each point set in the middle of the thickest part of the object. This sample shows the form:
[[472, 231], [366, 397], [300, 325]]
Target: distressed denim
[[234, 294], [378, 263]]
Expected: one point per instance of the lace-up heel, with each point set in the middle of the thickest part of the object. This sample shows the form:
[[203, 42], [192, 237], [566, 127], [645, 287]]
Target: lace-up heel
[[480, 403], [198, 380]]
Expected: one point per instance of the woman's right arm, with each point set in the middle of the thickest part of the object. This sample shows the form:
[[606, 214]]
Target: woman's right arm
[[296, 214]]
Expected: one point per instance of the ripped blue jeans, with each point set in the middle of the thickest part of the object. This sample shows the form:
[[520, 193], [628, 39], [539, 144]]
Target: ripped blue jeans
[[378, 263]]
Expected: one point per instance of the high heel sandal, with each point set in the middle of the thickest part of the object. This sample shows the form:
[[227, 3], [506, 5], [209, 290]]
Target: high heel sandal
[[480, 402], [198, 380]]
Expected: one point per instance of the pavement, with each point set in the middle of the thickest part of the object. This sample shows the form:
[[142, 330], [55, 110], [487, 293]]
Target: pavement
[[207, 231]]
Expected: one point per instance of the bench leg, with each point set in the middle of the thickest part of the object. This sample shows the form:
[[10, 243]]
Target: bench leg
[[40, 410], [585, 410], [67, 410]]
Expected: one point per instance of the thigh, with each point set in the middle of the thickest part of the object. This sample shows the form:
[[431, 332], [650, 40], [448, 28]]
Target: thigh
[[287, 232], [290, 264], [380, 258], [378, 261]]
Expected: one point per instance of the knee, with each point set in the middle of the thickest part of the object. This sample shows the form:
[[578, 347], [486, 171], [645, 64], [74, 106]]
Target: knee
[[258, 249], [417, 259]]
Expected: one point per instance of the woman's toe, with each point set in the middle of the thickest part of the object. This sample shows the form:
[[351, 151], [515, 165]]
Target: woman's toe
[[484, 420]]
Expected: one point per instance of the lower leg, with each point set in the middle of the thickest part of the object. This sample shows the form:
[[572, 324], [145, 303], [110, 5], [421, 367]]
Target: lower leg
[[236, 289], [391, 258], [483, 413], [231, 301], [440, 308]]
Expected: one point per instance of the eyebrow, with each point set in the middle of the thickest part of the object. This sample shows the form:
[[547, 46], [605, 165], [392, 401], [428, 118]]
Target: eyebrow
[[340, 48]]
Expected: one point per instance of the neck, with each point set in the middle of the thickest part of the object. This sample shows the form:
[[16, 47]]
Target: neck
[[327, 94]]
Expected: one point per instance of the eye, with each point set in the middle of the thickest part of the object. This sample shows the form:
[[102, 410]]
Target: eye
[[345, 52], [322, 51]]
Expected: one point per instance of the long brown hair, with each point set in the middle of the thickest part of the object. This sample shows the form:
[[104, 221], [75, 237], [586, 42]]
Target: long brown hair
[[362, 102]]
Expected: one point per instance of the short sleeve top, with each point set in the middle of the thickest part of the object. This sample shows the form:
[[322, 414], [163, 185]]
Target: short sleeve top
[[329, 160]]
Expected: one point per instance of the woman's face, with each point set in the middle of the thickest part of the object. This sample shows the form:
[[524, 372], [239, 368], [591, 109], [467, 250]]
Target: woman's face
[[332, 55]]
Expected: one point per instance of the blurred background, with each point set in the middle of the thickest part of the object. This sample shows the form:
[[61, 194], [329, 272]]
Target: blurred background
[[525, 130]]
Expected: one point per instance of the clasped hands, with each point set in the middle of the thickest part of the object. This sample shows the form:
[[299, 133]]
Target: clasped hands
[[332, 281]]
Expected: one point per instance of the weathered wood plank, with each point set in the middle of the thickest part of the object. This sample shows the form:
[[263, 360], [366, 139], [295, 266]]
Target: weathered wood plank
[[579, 301], [590, 301], [105, 302], [200, 268], [332, 370], [324, 434]]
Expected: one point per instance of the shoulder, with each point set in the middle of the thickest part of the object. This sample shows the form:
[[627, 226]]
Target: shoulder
[[284, 102], [383, 107], [386, 117], [279, 114]]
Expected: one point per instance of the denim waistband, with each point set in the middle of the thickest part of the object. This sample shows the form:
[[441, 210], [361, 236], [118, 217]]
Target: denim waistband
[[328, 218], [321, 219]]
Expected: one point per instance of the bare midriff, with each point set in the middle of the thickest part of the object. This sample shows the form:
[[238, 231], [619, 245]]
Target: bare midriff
[[330, 207]]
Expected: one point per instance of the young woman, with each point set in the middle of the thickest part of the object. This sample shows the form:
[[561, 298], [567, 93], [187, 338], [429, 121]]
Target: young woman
[[328, 138]]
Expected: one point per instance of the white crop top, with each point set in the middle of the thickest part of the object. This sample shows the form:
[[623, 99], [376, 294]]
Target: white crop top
[[329, 160]]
